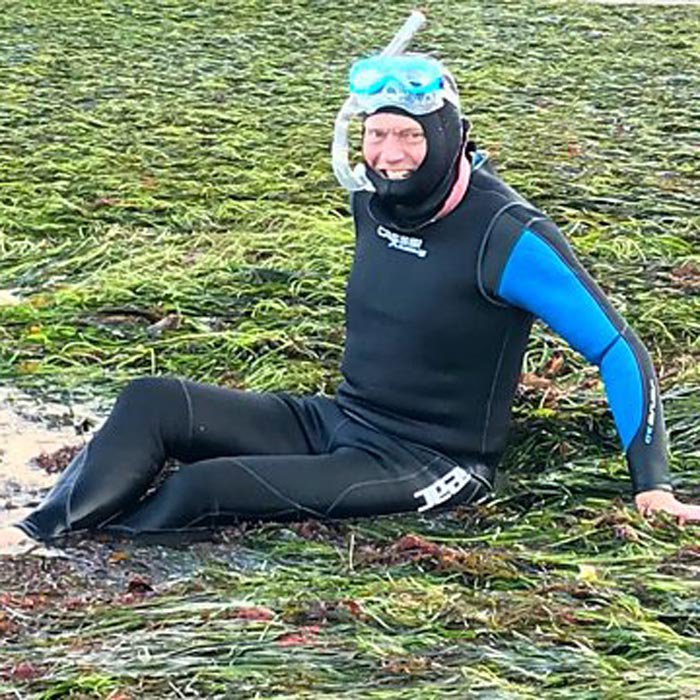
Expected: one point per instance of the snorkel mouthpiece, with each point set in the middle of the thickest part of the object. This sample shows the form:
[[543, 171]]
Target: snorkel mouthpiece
[[357, 179]]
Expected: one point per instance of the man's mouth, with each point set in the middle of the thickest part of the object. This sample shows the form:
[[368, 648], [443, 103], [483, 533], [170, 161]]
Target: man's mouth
[[396, 174]]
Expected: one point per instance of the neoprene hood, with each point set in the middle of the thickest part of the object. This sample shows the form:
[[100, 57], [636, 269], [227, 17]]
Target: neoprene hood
[[410, 203]]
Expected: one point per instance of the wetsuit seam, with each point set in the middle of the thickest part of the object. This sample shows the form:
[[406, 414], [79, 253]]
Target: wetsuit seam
[[69, 497], [337, 428], [608, 348], [436, 453], [521, 201], [535, 219], [192, 523], [619, 332], [365, 423], [619, 337], [644, 397], [403, 441], [352, 487], [271, 488], [28, 529], [482, 249], [489, 404], [642, 422], [190, 412], [295, 409], [455, 463], [226, 511], [644, 394]]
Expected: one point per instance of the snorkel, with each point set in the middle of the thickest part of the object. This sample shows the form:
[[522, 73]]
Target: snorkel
[[356, 179]]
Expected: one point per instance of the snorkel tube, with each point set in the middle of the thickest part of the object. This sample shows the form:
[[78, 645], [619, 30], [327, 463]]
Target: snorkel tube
[[357, 179], [403, 37]]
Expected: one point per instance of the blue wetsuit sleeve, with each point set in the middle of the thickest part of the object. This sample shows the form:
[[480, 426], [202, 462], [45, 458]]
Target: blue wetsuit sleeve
[[537, 271]]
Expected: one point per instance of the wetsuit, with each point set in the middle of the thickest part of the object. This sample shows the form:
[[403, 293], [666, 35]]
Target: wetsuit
[[437, 325]]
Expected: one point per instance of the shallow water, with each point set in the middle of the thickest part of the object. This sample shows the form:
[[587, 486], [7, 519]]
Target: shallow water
[[28, 428]]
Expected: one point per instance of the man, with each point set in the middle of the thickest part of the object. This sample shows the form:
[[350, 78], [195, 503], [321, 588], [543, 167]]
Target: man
[[451, 267]]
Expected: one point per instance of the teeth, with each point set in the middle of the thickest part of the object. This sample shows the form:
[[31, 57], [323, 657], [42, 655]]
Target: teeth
[[397, 174]]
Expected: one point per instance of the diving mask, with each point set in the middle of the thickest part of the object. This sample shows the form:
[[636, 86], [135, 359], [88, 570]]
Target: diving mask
[[416, 83]]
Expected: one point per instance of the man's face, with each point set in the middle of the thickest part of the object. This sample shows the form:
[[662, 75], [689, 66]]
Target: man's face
[[393, 145]]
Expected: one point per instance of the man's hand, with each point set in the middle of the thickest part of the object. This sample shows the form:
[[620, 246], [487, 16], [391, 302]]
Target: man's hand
[[658, 500]]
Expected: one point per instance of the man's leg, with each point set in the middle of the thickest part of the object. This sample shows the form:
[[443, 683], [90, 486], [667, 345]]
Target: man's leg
[[153, 419], [348, 482]]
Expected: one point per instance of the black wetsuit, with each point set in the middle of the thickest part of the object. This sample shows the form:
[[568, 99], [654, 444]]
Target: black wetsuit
[[437, 325]]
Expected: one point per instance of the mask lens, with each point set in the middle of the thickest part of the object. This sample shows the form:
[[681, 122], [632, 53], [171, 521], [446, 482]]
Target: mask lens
[[416, 81], [366, 77], [414, 75], [420, 75]]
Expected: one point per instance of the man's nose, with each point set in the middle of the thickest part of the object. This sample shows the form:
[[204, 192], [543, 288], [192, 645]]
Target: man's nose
[[393, 149]]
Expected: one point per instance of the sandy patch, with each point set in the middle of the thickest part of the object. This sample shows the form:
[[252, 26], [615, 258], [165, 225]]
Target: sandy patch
[[28, 428], [9, 298]]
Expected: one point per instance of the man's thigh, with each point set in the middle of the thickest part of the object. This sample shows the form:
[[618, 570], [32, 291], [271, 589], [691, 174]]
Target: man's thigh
[[348, 482], [229, 422]]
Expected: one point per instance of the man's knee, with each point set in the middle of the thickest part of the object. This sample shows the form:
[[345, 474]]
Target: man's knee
[[156, 401], [149, 387], [151, 395]]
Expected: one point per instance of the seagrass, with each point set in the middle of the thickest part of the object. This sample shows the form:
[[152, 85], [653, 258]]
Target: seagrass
[[167, 207]]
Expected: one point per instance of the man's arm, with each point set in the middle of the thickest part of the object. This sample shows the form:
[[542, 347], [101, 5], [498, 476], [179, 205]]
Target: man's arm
[[529, 264]]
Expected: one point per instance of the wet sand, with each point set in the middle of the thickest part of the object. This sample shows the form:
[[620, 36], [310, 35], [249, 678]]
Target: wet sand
[[28, 428]]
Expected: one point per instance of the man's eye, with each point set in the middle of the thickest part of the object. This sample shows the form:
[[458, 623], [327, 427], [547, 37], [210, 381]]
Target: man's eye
[[376, 134]]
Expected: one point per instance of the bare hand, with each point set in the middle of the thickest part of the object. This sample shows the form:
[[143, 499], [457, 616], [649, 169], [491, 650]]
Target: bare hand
[[658, 500]]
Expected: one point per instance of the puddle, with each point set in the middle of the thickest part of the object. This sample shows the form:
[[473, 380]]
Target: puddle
[[28, 428]]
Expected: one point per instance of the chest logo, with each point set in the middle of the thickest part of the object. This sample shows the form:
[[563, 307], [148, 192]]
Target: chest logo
[[407, 244]]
